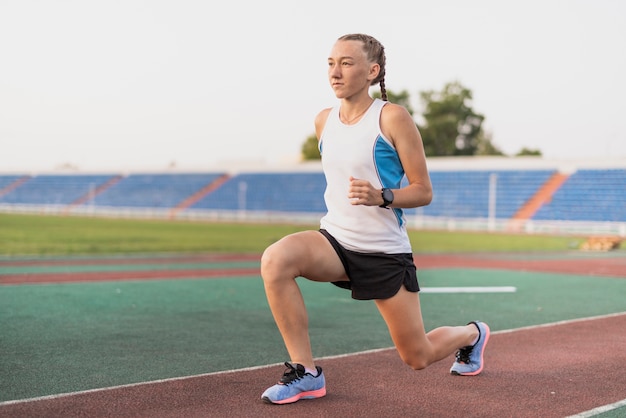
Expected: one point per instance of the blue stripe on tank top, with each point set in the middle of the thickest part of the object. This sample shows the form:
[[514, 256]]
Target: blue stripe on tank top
[[389, 169]]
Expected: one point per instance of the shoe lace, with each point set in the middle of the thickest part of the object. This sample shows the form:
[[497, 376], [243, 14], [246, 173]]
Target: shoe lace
[[292, 374], [463, 355]]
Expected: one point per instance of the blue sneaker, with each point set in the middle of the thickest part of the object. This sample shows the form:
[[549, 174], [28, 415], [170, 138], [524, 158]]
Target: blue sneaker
[[296, 384], [469, 360]]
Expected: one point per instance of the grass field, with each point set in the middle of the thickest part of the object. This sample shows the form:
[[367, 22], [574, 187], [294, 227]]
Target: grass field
[[70, 235]]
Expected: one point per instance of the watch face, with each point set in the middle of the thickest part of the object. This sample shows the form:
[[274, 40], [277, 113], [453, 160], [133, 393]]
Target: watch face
[[388, 195]]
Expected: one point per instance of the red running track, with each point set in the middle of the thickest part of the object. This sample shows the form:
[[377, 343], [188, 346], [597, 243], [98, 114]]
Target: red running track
[[548, 371]]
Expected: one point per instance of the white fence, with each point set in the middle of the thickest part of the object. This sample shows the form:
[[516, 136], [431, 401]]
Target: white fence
[[417, 221]]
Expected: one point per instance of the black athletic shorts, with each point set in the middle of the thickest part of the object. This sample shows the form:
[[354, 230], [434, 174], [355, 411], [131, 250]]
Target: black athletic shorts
[[375, 275]]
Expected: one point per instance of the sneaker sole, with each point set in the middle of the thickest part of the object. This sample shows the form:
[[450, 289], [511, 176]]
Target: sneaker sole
[[482, 362], [311, 394]]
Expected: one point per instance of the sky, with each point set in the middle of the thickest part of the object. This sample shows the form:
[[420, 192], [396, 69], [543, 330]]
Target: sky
[[152, 84]]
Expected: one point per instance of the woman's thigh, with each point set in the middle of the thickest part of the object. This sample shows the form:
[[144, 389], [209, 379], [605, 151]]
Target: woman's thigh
[[307, 254]]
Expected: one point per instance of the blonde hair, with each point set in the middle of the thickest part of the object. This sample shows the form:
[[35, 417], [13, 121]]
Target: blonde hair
[[375, 53]]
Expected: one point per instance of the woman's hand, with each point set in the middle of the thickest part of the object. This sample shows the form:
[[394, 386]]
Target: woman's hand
[[361, 192]]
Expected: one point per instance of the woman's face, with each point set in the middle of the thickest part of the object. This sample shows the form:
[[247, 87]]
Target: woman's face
[[349, 71]]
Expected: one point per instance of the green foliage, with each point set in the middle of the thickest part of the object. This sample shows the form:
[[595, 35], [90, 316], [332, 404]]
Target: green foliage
[[70, 235], [528, 152], [310, 149], [451, 127], [486, 146]]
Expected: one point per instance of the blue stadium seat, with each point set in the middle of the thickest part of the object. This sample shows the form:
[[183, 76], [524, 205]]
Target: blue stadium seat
[[589, 195], [54, 189], [7, 180], [465, 194], [288, 192], [154, 190]]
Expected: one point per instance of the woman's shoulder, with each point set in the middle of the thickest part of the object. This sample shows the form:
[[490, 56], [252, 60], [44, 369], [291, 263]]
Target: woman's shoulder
[[322, 116], [320, 120], [394, 110], [396, 122], [393, 113]]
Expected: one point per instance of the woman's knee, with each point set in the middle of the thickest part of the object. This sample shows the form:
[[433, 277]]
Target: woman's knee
[[277, 262], [306, 254], [415, 359], [271, 260], [417, 363]]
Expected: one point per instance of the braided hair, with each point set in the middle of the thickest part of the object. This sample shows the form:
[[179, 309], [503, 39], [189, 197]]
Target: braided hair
[[375, 53]]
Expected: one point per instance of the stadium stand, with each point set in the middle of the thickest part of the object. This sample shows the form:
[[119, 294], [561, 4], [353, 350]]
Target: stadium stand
[[589, 195], [282, 192], [466, 194], [53, 189], [154, 190], [8, 183], [585, 195]]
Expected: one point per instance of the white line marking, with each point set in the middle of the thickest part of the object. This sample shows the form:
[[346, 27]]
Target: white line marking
[[470, 289], [564, 322], [267, 366], [599, 410]]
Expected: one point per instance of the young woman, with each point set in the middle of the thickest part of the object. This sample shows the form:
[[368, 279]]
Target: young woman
[[367, 145]]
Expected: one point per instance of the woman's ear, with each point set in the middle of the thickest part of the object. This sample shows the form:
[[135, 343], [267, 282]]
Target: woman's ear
[[374, 71]]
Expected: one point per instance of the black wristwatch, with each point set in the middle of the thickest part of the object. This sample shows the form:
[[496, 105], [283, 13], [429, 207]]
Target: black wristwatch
[[387, 198]]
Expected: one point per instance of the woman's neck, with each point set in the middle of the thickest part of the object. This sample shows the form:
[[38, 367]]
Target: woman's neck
[[351, 112]]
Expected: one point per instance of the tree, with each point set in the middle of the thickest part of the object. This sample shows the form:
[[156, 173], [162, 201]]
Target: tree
[[451, 126], [528, 152], [486, 146], [310, 149]]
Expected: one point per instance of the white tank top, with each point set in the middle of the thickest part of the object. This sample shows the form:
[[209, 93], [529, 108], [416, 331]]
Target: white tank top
[[363, 152]]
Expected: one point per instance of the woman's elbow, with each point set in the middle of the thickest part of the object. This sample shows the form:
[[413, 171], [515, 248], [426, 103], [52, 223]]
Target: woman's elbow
[[427, 197]]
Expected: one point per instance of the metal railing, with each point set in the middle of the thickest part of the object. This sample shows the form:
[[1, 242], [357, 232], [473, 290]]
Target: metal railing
[[417, 221]]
